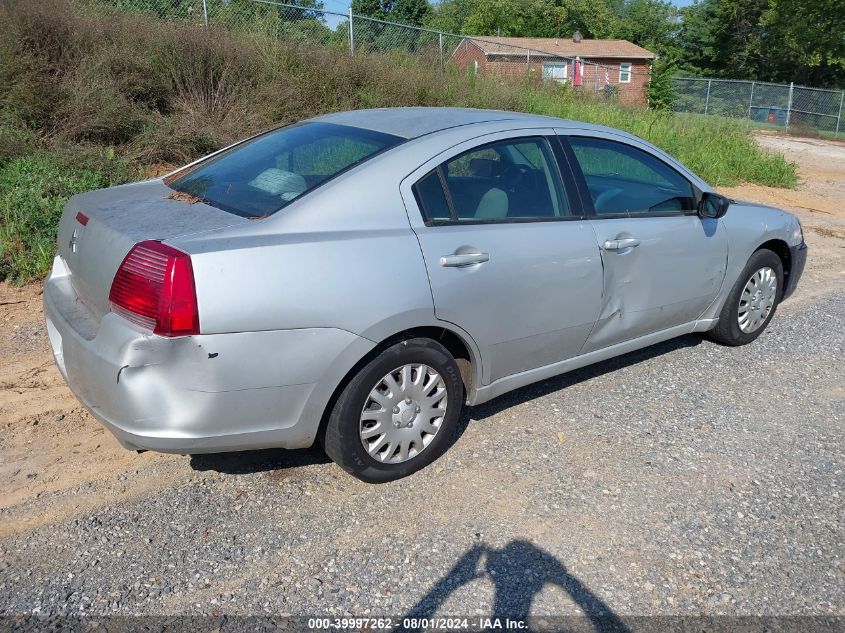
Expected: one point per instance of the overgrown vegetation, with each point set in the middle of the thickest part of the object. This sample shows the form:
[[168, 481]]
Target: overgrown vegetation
[[33, 191], [89, 99]]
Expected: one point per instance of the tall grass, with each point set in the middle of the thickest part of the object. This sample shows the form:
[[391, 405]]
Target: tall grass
[[33, 191], [87, 94], [720, 150]]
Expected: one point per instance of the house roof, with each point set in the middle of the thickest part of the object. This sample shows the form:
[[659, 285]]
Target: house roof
[[564, 47]]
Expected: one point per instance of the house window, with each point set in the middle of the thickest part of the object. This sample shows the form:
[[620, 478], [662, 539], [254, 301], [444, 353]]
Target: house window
[[625, 73], [558, 71]]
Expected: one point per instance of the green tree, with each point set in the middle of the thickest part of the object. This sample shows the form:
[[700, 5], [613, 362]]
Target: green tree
[[409, 11], [368, 8], [661, 92], [528, 18], [593, 18], [652, 24], [722, 38], [804, 42], [495, 17], [768, 40], [447, 16], [413, 12], [516, 18]]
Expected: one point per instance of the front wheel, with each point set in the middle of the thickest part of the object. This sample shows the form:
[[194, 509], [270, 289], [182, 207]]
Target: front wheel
[[752, 301], [398, 413]]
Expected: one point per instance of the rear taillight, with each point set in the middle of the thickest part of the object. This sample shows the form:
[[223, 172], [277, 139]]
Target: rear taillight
[[154, 288]]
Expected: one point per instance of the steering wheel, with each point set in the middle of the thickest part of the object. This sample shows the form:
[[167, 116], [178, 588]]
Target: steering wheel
[[513, 176]]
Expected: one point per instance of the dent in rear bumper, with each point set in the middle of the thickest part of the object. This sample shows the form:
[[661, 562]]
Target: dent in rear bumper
[[798, 259], [205, 393]]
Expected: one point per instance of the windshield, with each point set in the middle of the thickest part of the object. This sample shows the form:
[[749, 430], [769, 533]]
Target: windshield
[[263, 175]]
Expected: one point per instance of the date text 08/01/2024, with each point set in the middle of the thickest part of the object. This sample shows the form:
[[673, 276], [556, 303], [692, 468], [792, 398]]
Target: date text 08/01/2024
[[445, 623]]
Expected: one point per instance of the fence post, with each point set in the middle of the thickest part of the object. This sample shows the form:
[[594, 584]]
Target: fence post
[[528, 62], [440, 37], [750, 105], [839, 116], [707, 99], [351, 35], [205, 13], [789, 104]]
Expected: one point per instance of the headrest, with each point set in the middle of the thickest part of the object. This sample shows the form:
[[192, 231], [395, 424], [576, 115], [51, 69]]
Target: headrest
[[483, 167]]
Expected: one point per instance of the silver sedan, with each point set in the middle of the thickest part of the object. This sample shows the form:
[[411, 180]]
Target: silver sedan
[[358, 277]]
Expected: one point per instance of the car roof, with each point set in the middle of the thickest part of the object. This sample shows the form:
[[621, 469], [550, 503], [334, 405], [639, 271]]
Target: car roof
[[415, 122]]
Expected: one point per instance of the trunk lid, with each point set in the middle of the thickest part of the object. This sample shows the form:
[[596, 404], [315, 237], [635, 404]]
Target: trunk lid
[[118, 218]]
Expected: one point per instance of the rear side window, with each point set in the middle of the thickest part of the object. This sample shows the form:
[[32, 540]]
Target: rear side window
[[263, 175], [430, 197], [507, 181], [625, 179]]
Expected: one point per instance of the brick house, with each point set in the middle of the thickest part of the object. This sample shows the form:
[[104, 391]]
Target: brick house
[[617, 66]]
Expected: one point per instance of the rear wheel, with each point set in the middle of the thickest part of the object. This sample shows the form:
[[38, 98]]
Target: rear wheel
[[752, 301], [398, 413]]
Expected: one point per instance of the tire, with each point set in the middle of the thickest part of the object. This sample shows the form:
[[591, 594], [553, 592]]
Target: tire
[[728, 330], [425, 425]]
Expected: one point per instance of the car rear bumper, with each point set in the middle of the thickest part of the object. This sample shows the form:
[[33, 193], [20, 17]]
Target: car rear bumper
[[195, 394], [798, 259]]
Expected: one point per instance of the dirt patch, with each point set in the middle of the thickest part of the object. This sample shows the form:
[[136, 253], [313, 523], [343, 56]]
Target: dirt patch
[[51, 448], [828, 232], [817, 201], [821, 168]]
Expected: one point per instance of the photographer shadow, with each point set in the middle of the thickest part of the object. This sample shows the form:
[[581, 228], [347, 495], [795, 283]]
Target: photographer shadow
[[519, 571]]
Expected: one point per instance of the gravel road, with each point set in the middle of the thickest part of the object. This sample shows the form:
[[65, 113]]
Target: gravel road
[[688, 478]]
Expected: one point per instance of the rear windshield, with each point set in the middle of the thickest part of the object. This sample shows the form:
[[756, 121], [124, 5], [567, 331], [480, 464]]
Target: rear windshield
[[265, 174]]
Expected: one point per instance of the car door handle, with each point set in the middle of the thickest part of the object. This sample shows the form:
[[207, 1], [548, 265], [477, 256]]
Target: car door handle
[[618, 245], [457, 260]]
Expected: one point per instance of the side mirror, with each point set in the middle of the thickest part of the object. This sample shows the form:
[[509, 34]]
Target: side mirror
[[712, 205]]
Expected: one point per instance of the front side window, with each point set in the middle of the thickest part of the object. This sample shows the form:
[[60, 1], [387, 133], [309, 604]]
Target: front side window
[[624, 179], [556, 71], [512, 180], [625, 73], [263, 175]]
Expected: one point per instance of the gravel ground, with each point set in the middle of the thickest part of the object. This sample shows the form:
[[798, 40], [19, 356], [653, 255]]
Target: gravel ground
[[684, 479]]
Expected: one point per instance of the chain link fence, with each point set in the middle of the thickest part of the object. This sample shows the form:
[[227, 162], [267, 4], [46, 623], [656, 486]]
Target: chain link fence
[[785, 106], [356, 35]]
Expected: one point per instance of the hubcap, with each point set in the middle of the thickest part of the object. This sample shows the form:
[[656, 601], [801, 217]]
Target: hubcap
[[757, 300], [403, 413]]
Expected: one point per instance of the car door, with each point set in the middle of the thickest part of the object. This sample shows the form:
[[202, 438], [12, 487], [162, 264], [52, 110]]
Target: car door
[[663, 263], [510, 257]]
